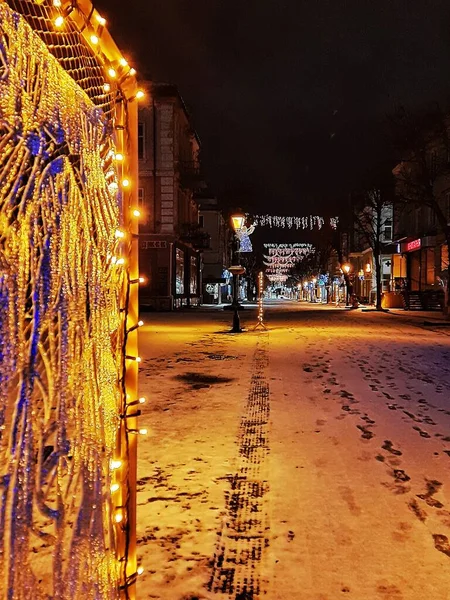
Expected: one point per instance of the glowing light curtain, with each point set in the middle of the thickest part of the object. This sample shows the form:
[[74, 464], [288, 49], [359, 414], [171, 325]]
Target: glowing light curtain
[[61, 334]]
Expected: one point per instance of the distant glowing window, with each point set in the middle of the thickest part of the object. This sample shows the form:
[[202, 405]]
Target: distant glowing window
[[193, 277], [179, 271]]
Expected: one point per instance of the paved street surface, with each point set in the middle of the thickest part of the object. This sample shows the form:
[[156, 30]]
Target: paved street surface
[[310, 461]]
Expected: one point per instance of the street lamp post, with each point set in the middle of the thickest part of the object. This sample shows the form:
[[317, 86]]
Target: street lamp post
[[346, 268], [237, 221]]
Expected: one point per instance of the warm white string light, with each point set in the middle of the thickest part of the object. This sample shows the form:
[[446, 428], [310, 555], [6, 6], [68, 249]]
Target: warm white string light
[[309, 222]]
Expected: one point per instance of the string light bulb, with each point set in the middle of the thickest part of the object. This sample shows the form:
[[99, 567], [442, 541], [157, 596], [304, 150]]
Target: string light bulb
[[118, 517], [114, 488], [118, 156], [94, 39], [141, 400], [140, 94], [136, 213], [125, 183], [123, 62], [115, 464], [132, 72], [134, 327], [120, 261], [106, 87], [101, 20], [140, 570], [59, 21], [112, 72], [142, 431], [56, 3], [119, 233], [135, 358]]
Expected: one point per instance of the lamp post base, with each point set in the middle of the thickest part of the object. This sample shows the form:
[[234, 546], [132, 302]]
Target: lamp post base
[[236, 321]]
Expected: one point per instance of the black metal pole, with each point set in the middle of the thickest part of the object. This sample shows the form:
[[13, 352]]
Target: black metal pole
[[235, 304]]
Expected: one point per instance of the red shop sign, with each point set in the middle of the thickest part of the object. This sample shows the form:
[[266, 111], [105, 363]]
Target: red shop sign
[[414, 245]]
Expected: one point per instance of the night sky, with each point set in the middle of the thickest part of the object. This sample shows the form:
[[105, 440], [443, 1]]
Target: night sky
[[288, 97]]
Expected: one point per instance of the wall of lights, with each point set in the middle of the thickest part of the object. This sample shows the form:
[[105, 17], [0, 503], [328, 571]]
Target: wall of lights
[[69, 312]]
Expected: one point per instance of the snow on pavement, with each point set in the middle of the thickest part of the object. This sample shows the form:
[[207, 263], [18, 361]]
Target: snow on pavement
[[310, 461]]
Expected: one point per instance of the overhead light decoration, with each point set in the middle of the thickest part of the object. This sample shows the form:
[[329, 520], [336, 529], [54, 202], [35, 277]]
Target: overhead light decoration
[[309, 222]]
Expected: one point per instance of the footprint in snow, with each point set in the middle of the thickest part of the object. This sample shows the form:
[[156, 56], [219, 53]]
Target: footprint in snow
[[389, 447], [433, 486], [413, 505], [441, 543], [422, 433]]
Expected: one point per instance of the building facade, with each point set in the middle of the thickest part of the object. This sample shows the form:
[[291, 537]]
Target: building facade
[[169, 174], [216, 279]]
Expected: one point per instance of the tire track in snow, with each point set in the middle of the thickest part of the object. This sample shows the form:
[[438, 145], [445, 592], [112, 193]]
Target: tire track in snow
[[244, 535]]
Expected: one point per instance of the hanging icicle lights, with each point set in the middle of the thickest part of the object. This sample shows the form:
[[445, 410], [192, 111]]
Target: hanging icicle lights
[[68, 315], [281, 258], [309, 222]]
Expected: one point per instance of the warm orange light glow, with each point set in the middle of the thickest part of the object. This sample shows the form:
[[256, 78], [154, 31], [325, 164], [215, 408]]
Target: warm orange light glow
[[94, 39], [59, 21], [139, 94], [101, 20], [237, 221], [125, 183], [346, 267], [112, 72]]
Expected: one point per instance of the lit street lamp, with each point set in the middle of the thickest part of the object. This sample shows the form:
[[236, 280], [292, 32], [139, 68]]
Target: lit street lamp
[[237, 221], [347, 268]]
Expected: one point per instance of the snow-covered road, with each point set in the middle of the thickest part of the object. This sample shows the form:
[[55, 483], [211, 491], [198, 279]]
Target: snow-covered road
[[310, 461]]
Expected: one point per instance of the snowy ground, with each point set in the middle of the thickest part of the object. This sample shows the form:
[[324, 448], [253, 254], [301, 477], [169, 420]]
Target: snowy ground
[[310, 461]]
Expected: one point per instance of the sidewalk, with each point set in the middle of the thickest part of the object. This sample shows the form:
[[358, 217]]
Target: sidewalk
[[272, 453]]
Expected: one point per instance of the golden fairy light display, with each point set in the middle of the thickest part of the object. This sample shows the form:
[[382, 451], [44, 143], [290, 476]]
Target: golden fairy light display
[[260, 322], [68, 314]]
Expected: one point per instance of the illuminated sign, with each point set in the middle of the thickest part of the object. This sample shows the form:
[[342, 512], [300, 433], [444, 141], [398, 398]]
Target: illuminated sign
[[414, 245]]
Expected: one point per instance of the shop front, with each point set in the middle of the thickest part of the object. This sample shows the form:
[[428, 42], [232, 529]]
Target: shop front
[[420, 264], [186, 282]]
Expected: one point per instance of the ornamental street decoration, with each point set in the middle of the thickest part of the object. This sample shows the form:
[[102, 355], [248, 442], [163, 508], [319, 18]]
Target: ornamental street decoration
[[310, 222], [243, 235], [68, 306]]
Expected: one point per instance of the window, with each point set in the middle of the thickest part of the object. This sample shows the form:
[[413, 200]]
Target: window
[[193, 280], [433, 218], [179, 271], [141, 141], [201, 220], [387, 231]]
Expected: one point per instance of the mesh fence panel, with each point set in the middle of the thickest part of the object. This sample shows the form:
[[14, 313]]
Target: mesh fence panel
[[70, 49], [61, 323]]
